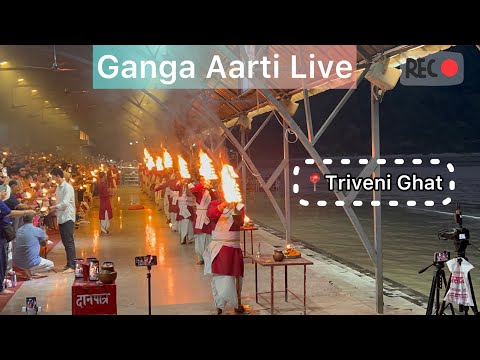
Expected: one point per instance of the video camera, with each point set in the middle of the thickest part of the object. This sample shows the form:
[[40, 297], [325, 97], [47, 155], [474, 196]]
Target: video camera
[[459, 234]]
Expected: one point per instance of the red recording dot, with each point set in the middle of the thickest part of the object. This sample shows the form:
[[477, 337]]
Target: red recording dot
[[449, 67]]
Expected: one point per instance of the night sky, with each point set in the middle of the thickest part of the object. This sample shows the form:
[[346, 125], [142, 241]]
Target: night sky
[[413, 120]]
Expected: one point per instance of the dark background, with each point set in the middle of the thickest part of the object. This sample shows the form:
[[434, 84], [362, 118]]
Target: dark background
[[413, 120]]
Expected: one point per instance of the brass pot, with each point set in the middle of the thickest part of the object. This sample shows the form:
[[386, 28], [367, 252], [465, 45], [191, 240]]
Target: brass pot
[[278, 255], [107, 277], [108, 268]]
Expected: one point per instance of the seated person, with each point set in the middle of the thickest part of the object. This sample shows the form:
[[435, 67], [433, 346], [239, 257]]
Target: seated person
[[27, 248]]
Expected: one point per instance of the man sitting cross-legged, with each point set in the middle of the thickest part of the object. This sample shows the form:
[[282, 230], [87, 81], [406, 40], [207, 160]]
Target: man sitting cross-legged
[[27, 249]]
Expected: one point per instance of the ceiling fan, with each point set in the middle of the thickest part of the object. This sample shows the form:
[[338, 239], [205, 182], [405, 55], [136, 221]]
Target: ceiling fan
[[55, 67], [70, 91]]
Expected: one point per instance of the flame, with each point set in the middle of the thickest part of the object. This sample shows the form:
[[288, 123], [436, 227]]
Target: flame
[[146, 153], [246, 219], [167, 160], [150, 163], [28, 195], [206, 169], [159, 163], [230, 187], [33, 185], [182, 164]]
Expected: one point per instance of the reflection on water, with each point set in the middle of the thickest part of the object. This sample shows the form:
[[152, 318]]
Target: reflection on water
[[409, 236]]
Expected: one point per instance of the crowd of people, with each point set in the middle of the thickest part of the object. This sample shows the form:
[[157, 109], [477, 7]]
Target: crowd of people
[[40, 193], [198, 212]]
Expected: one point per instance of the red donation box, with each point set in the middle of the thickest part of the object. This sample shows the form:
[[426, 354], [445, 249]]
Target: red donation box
[[93, 298]]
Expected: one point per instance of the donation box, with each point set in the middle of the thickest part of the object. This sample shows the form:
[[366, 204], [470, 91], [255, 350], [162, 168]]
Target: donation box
[[93, 298]]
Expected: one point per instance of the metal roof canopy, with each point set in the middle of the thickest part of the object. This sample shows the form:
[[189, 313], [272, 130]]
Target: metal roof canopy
[[272, 102]]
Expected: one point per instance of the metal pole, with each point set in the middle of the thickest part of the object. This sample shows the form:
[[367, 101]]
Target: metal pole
[[265, 122], [323, 168], [339, 107], [255, 135], [244, 169], [286, 178], [149, 291], [308, 114], [377, 210]]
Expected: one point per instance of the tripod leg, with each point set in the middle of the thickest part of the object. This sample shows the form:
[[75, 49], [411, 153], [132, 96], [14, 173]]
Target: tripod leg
[[474, 307], [437, 293], [149, 293], [447, 287], [431, 297]]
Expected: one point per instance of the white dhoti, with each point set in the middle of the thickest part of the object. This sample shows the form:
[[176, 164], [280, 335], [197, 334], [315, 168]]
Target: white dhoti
[[201, 242], [165, 207], [185, 228], [173, 221], [105, 224], [225, 288], [173, 215]]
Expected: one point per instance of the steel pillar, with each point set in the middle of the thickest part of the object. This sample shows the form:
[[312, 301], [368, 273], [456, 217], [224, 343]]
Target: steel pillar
[[286, 180], [244, 168], [377, 196]]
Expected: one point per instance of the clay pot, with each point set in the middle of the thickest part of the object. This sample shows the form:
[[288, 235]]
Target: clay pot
[[278, 255], [108, 268], [107, 277]]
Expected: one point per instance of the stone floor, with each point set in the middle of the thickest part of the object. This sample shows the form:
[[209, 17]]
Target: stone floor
[[178, 284]]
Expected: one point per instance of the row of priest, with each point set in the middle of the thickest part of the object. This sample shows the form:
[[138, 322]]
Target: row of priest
[[210, 213]]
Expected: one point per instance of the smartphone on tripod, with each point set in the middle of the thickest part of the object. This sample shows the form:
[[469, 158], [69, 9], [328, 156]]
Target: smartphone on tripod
[[147, 260]]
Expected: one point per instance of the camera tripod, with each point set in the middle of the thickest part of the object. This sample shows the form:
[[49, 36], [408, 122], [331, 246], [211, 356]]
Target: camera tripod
[[439, 279]]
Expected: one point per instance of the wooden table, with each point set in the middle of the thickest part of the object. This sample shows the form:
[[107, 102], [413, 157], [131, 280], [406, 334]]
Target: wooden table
[[245, 229], [267, 260]]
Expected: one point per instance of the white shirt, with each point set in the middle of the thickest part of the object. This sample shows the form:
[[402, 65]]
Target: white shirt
[[65, 203]]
